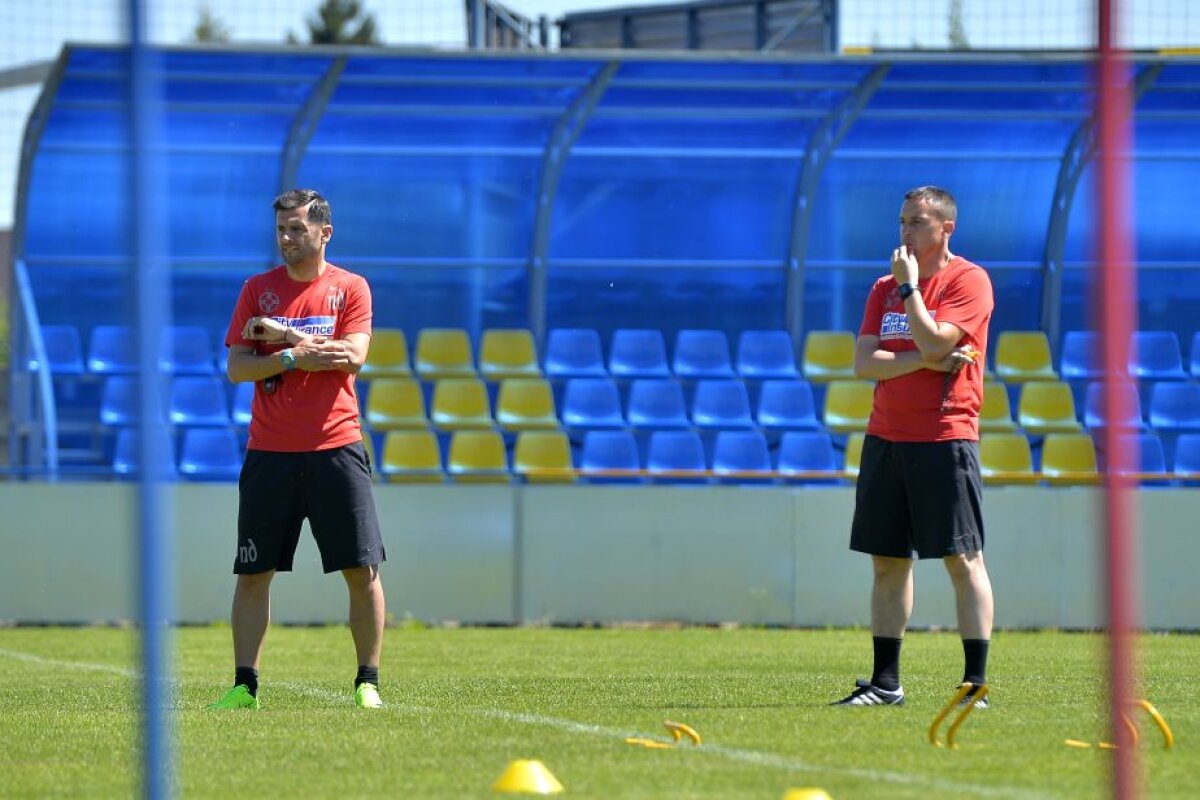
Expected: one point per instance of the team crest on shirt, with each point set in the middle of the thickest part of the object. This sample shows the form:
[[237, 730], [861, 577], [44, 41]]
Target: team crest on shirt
[[268, 301], [335, 299]]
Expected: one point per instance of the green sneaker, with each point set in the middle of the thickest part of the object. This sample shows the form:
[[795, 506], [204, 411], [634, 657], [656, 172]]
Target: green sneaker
[[366, 695], [237, 697]]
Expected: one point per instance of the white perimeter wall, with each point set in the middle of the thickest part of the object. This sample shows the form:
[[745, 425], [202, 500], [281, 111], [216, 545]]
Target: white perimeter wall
[[570, 554]]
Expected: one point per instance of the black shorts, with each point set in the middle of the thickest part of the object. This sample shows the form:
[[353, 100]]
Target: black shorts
[[329, 488], [922, 496]]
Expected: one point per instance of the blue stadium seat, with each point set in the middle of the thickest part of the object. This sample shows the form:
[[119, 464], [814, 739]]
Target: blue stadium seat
[[1093, 417], [113, 350], [590, 404], [243, 399], [1187, 458], [702, 354], [787, 405], [64, 350], [1195, 355], [638, 353], [210, 454], [804, 452], [676, 457], [1149, 457], [741, 457], [721, 405], [574, 353], [1175, 406], [657, 404], [127, 458], [1080, 359], [610, 450], [186, 350], [1155, 355], [198, 400], [763, 355], [119, 401]]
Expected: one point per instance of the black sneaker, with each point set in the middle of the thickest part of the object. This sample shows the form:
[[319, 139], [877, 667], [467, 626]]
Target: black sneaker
[[982, 702], [867, 694]]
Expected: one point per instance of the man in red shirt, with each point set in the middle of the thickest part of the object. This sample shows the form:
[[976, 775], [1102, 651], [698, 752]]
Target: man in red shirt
[[919, 489], [301, 331]]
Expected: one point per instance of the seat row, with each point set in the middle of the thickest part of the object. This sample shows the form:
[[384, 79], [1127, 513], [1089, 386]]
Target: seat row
[[1020, 356], [744, 456], [1153, 355], [653, 404], [215, 454]]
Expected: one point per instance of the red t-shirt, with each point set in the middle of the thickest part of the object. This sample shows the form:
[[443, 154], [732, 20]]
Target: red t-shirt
[[305, 411], [927, 405]]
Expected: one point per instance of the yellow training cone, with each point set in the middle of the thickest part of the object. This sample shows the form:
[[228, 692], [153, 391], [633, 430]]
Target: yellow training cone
[[807, 793], [527, 777]]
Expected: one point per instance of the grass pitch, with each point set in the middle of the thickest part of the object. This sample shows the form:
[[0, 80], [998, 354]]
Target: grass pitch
[[462, 704]]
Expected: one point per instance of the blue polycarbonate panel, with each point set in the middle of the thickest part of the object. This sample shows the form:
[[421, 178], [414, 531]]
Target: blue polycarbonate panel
[[514, 134], [738, 136], [691, 72], [427, 207], [948, 102], [1003, 207], [955, 137], [396, 98], [984, 76], [467, 69], [667, 299], [676, 209]]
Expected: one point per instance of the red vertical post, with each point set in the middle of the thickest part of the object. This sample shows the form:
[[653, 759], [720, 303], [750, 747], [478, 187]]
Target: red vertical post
[[1115, 301]]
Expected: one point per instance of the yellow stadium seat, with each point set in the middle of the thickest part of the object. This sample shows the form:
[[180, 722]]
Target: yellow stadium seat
[[460, 403], [995, 416], [387, 356], [1047, 407], [848, 405], [854, 446], [1069, 458], [543, 457], [1006, 458], [444, 353], [395, 403], [828, 356], [369, 448], [478, 457], [1024, 356], [411, 457], [525, 404], [508, 353]]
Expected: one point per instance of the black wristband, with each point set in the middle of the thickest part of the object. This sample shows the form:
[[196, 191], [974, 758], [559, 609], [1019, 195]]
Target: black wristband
[[906, 290]]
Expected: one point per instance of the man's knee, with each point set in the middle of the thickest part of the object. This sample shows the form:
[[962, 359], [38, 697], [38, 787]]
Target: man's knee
[[362, 579]]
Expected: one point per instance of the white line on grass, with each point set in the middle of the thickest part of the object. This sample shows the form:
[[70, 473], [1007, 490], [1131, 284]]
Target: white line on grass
[[754, 757], [732, 753]]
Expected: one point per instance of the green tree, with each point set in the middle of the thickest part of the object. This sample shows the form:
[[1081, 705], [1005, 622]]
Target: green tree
[[340, 22], [209, 28], [957, 33]]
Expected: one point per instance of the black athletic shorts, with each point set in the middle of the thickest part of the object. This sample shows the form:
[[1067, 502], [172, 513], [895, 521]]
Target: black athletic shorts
[[922, 496], [329, 488]]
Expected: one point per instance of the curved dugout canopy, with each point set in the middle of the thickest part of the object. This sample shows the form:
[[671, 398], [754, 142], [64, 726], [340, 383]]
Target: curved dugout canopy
[[555, 190]]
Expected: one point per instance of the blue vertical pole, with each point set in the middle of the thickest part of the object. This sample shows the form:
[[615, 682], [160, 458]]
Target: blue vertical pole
[[151, 290]]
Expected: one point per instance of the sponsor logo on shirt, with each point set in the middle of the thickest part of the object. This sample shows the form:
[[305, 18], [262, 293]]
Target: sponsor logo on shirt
[[895, 325], [312, 326]]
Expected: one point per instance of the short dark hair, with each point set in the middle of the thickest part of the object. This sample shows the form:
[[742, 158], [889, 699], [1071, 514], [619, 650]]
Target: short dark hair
[[295, 198], [940, 199]]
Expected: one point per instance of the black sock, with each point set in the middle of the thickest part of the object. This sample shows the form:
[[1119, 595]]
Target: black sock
[[248, 676], [886, 674], [975, 653], [367, 675]]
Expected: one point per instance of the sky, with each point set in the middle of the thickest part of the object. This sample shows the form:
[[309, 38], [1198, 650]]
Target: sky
[[35, 30]]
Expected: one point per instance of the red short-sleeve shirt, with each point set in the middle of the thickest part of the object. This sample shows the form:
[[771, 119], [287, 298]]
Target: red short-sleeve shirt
[[304, 411], [926, 405]]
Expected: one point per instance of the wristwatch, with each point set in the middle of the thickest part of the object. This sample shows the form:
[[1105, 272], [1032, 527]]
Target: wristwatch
[[288, 359], [906, 290]]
